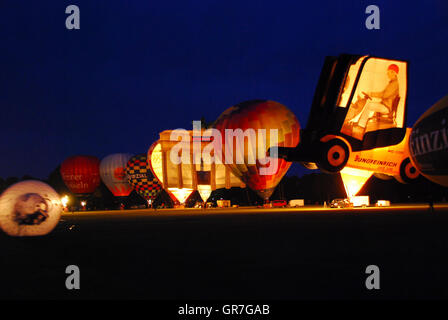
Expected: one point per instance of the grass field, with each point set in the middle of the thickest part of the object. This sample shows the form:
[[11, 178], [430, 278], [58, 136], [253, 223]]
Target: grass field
[[308, 253]]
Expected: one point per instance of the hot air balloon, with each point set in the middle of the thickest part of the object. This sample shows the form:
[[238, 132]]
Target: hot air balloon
[[181, 179], [113, 174], [428, 143], [29, 208], [257, 126], [177, 191], [155, 162], [81, 174], [141, 178]]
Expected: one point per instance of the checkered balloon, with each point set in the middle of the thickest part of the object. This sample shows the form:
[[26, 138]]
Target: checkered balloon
[[141, 177]]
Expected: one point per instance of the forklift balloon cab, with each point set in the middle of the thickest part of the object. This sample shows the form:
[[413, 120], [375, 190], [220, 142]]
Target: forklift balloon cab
[[359, 104]]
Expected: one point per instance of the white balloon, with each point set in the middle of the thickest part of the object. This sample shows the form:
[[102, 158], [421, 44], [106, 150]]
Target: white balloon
[[113, 174], [29, 208]]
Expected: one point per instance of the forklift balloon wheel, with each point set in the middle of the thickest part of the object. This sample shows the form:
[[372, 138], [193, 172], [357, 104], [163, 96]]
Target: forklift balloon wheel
[[334, 156]]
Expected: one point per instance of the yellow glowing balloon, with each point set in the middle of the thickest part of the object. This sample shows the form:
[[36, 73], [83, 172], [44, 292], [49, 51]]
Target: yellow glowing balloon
[[354, 180], [181, 179]]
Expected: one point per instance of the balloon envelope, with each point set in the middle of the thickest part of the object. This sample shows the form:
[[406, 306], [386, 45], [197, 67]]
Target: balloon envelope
[[248, 160], [113, 174], [141, 178], [29, 208], [181, 179], [155, 165], [204, 191], [428, 144], [81, 174]]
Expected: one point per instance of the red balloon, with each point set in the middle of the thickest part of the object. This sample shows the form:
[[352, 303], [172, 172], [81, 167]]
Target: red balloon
[[81, 174]]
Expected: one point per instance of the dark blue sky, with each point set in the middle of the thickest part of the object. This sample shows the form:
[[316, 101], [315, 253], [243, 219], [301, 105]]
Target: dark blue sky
[[136, 68]]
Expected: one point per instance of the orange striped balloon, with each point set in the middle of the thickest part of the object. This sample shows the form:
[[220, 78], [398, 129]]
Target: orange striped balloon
[[248, 160]]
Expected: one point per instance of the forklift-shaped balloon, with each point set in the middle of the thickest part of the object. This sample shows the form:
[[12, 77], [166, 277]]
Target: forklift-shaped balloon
[[357, 121]]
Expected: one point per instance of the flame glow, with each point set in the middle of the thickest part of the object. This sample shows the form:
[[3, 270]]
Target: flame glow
[[181, 194], [64, 201], [354, 180], [205, 191]]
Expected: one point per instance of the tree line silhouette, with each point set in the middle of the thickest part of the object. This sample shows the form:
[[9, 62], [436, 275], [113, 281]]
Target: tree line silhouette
[[314, 188]]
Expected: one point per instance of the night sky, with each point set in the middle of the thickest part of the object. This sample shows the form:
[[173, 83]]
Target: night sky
[[136, 68]]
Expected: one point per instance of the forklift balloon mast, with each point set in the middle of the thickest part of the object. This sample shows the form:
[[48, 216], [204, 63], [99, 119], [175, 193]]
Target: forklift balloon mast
[[359, 104]]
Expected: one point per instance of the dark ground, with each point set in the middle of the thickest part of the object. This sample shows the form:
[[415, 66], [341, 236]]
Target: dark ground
[[233, 254]]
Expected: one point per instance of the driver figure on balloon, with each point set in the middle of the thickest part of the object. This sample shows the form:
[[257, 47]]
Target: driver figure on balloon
[[387, 98], [30, 209]]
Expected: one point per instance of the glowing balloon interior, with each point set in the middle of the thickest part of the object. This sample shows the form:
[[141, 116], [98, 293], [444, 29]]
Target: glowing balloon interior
[[181, 194], [181, 179], [205, 191], [354, 180]]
